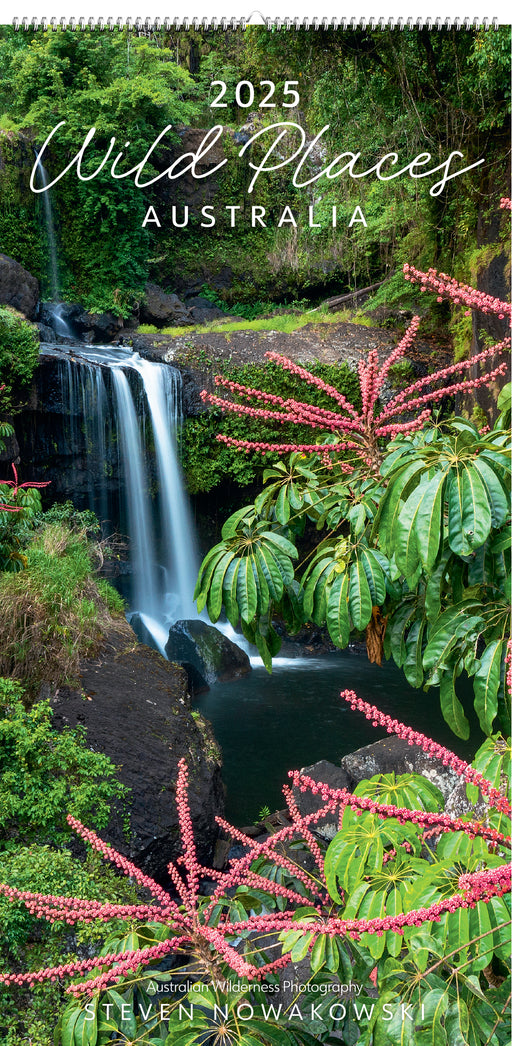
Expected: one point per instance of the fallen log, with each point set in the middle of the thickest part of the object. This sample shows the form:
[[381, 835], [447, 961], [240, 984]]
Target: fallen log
[[341, 299]]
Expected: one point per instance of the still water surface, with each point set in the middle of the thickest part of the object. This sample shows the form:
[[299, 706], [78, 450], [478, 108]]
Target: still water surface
[[269, 724]]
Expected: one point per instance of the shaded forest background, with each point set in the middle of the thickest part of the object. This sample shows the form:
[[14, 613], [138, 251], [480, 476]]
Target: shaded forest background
[[406, 92]]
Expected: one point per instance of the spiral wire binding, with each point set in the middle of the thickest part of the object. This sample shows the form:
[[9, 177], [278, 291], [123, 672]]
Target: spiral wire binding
[[148, 25]]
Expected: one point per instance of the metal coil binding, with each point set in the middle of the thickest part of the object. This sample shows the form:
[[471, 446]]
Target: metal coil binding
[[147, 25]]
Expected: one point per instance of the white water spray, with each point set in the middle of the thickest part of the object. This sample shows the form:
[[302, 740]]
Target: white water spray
[[114, 396]]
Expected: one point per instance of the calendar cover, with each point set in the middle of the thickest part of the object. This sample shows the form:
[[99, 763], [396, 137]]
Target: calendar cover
[[254, 533]]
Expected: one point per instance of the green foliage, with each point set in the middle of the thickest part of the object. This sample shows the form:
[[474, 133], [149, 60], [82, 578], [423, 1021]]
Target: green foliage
[[79, 521], [439, 964], [206, 471], [43, 869], [420, 548], [10, 693], [52, 613], [126, 87], [443, 518], [401, 374], [17, 519], [20, 227], [448, 972], [249, 310], [19, 353], [373, 89], [28, 1018], [46, 774]]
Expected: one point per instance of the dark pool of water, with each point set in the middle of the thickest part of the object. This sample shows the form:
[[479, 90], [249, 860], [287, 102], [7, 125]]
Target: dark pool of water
[[269, 724]]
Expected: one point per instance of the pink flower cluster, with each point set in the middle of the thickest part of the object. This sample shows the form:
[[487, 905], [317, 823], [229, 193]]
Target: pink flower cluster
[[16, 486], [360, 431], [393, 726], [442, 822], [505, 203], [460, 293], [190, 924], [477, 886]]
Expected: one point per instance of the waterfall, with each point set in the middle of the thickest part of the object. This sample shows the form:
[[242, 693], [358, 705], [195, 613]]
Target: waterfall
[[59, 323], [135, 483], [181, 560], [53, 264], [117, 400]]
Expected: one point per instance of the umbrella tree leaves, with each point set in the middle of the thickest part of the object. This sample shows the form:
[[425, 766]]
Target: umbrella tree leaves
[[424, 546]]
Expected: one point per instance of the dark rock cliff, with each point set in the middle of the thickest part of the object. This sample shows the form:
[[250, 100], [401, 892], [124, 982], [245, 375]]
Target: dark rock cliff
[[136, 710]]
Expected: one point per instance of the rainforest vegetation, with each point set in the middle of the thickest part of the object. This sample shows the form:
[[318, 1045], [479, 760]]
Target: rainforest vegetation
[[378, 92], [378, 511]]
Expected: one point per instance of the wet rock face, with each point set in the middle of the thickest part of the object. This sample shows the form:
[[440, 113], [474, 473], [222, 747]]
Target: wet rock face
[[18, 288], [96, 327], [53, 444], [382, 757], [210, 654], [136, 710], [393, 753], [331, 775], [9, 452]]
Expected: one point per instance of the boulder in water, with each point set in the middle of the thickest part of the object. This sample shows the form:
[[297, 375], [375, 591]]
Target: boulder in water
[[18, 288], [395, 754], [213, 656], [163, 309]]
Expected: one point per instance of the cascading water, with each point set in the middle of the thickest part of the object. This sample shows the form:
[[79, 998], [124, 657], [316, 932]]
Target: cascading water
[[51, 239], [135, 481], [59, 323], [107, 391], [116, 399], [161, 391]]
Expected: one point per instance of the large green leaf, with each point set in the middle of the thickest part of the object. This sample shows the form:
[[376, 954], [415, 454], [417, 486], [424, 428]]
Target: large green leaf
[[428, 520], [469, 514], [261, 585], [270, 570], [374, 575], [451, 707], [85, 1031], [280, 542], [436, 584], [282, 507], [208, 568], [391, 503], [499, 502], [319, 575], [233, 526], [246, 591], [359, 598], [486, 684], [69, 1021], [413, 663], [338, 621], [214, 601], [229, 592], [282, 563], [445, 632], [395, 638], [405, 540], [431, 1030]]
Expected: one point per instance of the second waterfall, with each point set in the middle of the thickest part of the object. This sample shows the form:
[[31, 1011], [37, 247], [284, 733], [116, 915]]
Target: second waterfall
[[125, 412]]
